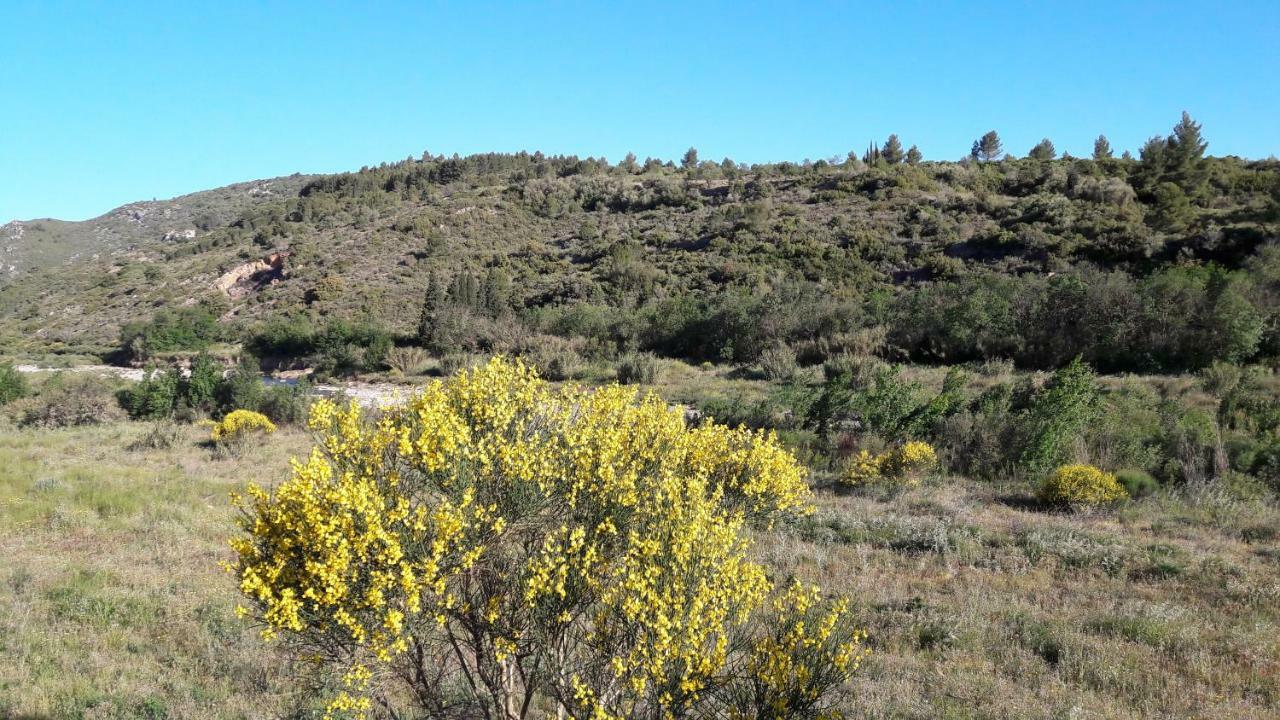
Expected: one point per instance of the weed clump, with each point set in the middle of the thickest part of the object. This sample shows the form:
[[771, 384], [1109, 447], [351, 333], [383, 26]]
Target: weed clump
[[638, 369], [408, 360]]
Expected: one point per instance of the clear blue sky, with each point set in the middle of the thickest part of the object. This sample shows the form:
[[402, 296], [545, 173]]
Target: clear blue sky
[[104, 103]]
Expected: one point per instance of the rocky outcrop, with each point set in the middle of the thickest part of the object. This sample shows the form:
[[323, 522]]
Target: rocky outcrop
[[242, 280]]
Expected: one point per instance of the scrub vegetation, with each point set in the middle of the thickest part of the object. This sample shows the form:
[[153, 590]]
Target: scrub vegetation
[[871, 436]]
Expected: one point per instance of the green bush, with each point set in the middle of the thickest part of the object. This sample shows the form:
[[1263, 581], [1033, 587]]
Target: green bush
[[1138, 483], [1266, 465], [346, 348], [1058, 413], [153, 398], [872, 397], [287, 404], [283, 338], [200, 390], [13, 384], [242, 389], [342, 347], [453, 362], [68, 400]]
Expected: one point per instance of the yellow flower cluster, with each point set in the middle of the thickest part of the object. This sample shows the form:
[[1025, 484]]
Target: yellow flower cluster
[[808, 649], [1081, 485], [591, 527], [901, 465], [239, 424]]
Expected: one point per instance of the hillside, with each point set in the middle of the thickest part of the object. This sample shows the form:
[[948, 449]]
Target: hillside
[[813, 254], [46, 263]]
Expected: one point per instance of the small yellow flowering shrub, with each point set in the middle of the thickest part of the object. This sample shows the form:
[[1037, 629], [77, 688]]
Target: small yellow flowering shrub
[[902, 465], [238, 427], [496, 541], [1081, 485], [808, 645]]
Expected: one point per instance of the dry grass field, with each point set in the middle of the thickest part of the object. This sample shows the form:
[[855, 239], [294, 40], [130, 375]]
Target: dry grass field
[[979, 603], [112, 604]]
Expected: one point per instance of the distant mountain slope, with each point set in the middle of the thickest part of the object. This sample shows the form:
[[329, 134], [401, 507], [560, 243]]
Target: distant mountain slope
[[571, 231], [32, 245]]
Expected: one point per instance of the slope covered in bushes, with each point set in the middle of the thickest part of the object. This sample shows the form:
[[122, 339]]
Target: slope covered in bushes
[[1162, 262]]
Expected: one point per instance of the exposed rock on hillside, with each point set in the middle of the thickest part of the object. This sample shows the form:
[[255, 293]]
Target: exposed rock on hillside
[[249, 277], [174, 235]]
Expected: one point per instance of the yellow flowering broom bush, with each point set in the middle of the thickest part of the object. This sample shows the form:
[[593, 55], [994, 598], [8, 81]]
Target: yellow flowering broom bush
[[1081, 485], [902, 465], [496, 545], [238, 427]]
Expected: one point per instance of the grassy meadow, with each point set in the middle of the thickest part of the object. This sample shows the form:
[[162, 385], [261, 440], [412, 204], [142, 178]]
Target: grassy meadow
[[112, 604], [979, 603]]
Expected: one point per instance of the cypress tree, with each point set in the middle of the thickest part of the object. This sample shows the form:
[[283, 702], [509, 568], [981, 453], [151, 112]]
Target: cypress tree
[[872, 155], [435, 295], [496, 292]]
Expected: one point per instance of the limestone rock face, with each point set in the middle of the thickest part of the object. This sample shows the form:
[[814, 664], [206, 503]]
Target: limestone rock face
[[174, 235], [242, 280]]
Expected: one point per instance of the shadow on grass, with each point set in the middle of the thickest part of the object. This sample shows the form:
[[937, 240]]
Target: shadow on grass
[[1029, 503]]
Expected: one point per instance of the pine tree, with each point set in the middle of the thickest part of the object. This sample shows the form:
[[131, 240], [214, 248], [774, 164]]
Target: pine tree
[[629, 163], [690, 159], [1152, 163], [892, 151], [1102, 148], [1184, 156], [1186, 143], [914, 156], [1043, 150], [987, 147]]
